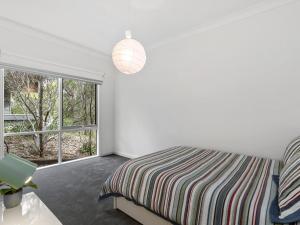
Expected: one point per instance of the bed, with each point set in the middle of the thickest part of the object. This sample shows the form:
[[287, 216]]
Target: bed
[[190, 186]]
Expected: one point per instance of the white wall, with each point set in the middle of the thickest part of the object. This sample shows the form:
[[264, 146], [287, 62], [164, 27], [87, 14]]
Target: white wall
[[233, 88], [27, 47]]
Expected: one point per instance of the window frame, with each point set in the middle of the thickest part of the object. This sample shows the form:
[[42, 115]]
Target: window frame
[[60, 128]]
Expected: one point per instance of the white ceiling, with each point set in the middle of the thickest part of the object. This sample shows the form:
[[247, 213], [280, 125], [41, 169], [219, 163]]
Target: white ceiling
[[99, 24]]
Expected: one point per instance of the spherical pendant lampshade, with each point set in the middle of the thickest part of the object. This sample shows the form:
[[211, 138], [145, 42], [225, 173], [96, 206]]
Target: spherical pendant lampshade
[[129, 55]]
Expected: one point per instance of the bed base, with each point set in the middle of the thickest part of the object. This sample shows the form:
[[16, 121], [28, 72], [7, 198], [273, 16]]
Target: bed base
[[138, 213]]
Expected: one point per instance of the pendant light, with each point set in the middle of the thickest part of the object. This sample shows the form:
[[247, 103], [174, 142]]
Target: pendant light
[[129, 55]]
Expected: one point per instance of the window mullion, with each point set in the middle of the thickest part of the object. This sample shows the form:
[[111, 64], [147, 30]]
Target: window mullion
[[30, 133], [98, 120], [60, 118], [1, 113], [79, 128]]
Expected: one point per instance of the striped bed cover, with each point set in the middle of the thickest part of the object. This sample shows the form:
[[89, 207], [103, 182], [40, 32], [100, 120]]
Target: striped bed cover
[[190, 186]]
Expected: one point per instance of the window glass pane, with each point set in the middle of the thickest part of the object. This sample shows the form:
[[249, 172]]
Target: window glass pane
[[79, 144], [39, 148], [30, 102], [79, 103]]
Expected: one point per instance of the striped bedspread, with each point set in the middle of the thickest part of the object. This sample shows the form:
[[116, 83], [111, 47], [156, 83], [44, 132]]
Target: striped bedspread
[[192, 186]]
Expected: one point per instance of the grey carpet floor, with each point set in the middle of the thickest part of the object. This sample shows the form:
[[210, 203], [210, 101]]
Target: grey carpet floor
[[70, 191]]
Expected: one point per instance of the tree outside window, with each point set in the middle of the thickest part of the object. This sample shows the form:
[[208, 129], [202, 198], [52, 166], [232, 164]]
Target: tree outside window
[[32, 121]]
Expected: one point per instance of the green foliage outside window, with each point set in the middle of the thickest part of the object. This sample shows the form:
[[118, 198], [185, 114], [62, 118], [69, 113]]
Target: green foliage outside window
[[32, 100]]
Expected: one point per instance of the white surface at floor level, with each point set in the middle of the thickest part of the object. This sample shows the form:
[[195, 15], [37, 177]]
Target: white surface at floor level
[[32, 211]]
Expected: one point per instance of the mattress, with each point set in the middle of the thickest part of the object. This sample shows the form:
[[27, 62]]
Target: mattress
[[190, 186]]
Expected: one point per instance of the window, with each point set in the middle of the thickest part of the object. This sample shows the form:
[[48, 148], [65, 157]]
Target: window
[[78, 144], [49, 119], [79, 103], [30, 102]]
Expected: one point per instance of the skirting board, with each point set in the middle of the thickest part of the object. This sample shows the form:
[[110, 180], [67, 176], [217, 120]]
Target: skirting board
[[126, 155], [138, 213]]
